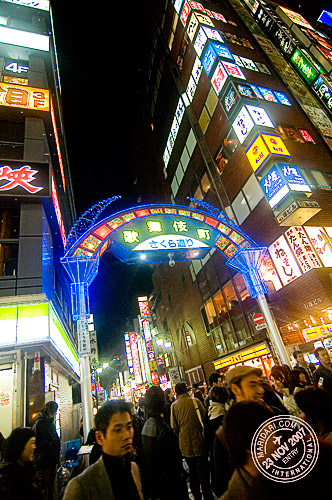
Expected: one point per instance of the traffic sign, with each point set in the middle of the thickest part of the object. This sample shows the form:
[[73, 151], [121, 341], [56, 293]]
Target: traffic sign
[[258, 318]]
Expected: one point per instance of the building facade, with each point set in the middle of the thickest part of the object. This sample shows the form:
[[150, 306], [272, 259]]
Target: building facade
[[38, 354], [239, 96]]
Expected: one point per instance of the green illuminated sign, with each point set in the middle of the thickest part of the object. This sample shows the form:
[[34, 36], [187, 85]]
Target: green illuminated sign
[[304, 66]]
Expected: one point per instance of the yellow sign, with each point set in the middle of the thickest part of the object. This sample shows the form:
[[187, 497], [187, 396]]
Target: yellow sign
[[275, 145], [257, 153], [242, 356], [316, 332], [24, 97]]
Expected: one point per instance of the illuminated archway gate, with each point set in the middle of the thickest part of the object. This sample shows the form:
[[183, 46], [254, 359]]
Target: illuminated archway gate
[[151, 234]]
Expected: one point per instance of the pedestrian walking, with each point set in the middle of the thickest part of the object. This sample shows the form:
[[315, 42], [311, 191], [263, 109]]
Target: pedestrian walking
[[280, 383], [17, 480], [169, 400], [159, 441], [114, 476], [304, 367], [47, 454], [187, 421]]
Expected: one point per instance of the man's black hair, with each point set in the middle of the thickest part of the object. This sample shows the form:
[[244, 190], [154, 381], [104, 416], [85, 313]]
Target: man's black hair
[[296, 353], [154, 401], [180, 388], [106, 412], [219, 394], [318, 350], [213, 378]]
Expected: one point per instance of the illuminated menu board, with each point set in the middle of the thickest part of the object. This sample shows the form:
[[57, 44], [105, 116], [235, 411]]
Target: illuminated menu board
[[284, 261]]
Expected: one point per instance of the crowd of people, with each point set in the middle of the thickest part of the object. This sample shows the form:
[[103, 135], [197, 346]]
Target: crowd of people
[[191, 441]]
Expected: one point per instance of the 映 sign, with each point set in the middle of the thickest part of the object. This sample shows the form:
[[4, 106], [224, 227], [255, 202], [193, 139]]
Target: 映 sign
[[20, 179]]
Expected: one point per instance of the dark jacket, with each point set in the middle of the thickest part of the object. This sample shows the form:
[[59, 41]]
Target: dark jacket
[[47, 452], [307, 371], [164, 480], [17, 482], [326, 375]]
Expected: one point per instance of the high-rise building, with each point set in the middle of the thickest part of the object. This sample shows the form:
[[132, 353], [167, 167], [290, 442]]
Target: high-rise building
[[239, 95], [38, 355]]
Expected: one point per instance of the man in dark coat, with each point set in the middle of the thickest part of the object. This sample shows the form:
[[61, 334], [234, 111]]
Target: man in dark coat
[[323, 375], [47, 454], [304, 367], [165, 481]]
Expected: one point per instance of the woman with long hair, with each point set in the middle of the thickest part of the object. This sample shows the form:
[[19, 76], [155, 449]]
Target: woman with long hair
[[281, 385]]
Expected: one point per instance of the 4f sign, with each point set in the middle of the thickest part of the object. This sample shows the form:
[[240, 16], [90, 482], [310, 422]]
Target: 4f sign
[[15, 67]]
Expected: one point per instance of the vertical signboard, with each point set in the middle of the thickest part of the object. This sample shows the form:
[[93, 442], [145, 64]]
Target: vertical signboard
[[284, 261], [83, 338], [322, 243], [135, 357]]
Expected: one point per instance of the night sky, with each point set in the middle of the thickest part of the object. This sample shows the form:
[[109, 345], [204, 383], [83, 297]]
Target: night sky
[[102, 80]]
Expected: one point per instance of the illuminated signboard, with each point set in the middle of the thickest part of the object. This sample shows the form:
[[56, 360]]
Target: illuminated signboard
[[242, 356], [230, 99], [323, 90], [16, 67], [185, 13], [219, 78], [294, 178], [135, 357], [200, 41], [316, 332], [222, 51], [325, 17], [26, 39], [209, 58], [322, 244], [128, 351], [297, 18], [260, 116], [257, 153], [284, 261], [57, 209], [267, 94], [204, 19], [282, 98], [213, 34], [304, 66], [56, 137], [21, 179], [243, 124], [275, 145], [178, 5], [234, 70], [27, 97], [156, 233], [41, 4], [192, 26], [274, 186], [144, 307], [302, 249], [269, 273]]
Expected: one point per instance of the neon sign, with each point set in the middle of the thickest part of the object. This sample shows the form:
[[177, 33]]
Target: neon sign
[[27, 97], [58, 211], [135, 357], [19, 179], [15, 67]]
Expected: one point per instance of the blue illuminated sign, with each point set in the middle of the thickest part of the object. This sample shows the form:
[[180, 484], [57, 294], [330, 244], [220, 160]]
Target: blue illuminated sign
[[282, 98], [326, 17], [222, 51], [274, 186], [294, 178], [267, 94], [208, 59]]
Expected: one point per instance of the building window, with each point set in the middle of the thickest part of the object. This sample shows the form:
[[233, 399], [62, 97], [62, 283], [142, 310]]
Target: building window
[[210, 311], [8, 258], [219, 341], [9, 223], [186, 336], [240, 207], [230, 295], [229, 336], [219, 302], [253, 192], [241, 287], [241, 330]]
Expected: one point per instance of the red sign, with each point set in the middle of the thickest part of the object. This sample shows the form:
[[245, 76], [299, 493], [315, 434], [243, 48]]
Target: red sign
[[136, 363], [258, 318]]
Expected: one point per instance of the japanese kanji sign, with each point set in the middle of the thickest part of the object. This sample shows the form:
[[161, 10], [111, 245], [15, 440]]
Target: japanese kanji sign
[[24, 179], [24, 97]]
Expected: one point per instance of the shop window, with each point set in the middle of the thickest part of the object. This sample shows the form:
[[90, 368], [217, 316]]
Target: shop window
[[9, 223], [230, 295], [241, 287], [8, 259], [242, 330], [240, 208], [321, 180], [229, 336], [253, 192]]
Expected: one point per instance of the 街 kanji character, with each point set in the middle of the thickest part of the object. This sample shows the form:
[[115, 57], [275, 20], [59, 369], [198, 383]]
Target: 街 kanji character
[[18, 177]]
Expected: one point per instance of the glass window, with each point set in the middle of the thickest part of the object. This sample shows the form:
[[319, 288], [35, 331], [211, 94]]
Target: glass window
[[185, 158], [229, 336], [8, 259], [198, 194], [204, 120], [210, 311], [191, 142], [241, 329], [219, 341], [321, 180], [211, 101], [179, 173], [174, 186], [240, 208], [230, 295], [253, 192], [205, 183], [231, 142], [219, 303], [241, 287], [9, 223]]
